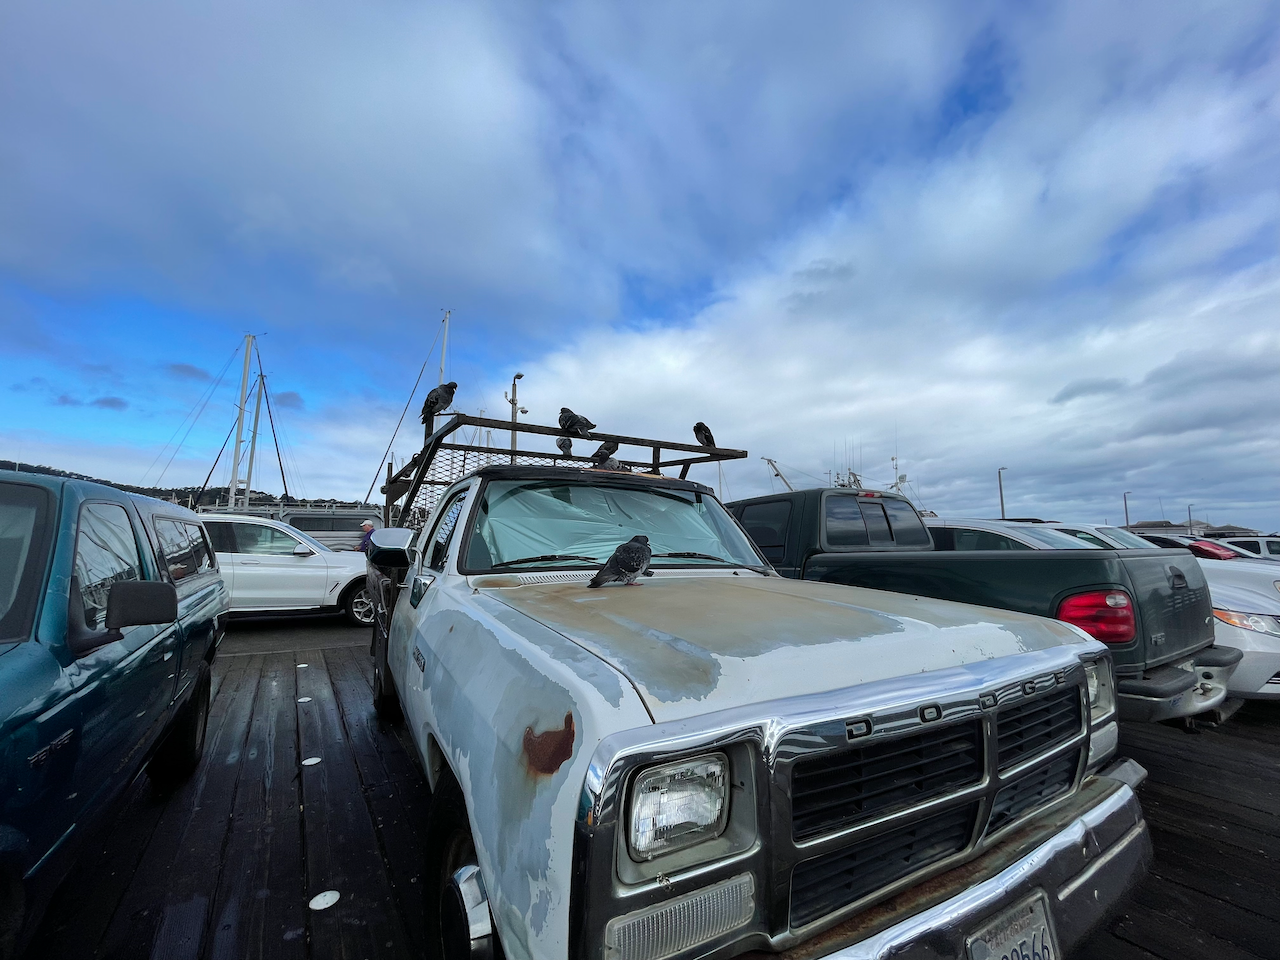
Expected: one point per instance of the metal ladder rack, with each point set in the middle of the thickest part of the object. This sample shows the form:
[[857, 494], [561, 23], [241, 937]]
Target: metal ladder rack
[[416, 486]]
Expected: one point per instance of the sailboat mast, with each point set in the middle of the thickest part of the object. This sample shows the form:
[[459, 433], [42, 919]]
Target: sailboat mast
[[253, 439], [244, 395]]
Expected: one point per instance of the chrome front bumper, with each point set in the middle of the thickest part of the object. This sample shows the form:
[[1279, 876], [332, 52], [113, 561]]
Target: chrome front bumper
[[1083, 870]]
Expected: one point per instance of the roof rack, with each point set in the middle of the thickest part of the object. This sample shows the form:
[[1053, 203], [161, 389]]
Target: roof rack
[[412, 491]]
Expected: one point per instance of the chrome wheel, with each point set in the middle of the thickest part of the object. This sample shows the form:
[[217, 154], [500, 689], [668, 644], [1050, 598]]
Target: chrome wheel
[[359, 607]]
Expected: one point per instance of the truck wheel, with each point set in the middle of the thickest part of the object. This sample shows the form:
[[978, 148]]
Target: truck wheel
[[12, 909], [453, 891], [358, 605], [180, 753], [386, 702]]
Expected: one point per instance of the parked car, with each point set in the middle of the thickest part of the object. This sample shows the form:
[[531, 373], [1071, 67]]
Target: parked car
[[111, 610], [719, 760], [1264, 548], [1199, 547], [337, 531], [1152, 610], [1246, 610], [272, 568]]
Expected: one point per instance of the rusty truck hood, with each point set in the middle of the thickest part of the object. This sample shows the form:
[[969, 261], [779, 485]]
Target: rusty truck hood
[[695, 644]]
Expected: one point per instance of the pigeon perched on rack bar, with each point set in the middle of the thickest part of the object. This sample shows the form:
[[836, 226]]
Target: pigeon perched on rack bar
[[438, 400], [702, 433], [628, 563], [576, 425], [565, 445], [604, 454]]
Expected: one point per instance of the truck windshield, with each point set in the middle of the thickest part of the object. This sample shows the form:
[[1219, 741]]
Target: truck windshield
[[25, 516], [563, 524]]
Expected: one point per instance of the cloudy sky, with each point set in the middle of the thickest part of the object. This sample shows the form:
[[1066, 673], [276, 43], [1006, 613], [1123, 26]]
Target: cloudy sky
[[1042, 236]]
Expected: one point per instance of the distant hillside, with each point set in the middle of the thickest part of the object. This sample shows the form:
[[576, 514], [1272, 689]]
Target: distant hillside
[[212, 496]]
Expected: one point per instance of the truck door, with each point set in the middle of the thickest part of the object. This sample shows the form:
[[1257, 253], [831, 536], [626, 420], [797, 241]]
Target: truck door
[[190, 564], [122, 688], [425, 598]]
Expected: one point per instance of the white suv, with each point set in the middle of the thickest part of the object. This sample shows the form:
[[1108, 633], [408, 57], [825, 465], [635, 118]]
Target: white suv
[[271, 567]]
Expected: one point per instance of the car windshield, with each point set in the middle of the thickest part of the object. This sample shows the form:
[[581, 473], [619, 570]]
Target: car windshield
[[25, 513], [563, 523], [1126, 539], [1055, 539]]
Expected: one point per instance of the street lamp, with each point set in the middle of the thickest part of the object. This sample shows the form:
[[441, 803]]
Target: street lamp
[[1189, 532], [1126, 508], [515, 408], [1000, 481]]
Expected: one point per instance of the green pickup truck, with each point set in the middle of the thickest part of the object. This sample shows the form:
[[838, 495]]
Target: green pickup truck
[[111, 611], [1151, 607]]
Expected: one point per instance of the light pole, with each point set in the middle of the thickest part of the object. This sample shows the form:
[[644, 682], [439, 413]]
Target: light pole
[[1126, 508], [1000, 481], [1189, 506], [515, 408]]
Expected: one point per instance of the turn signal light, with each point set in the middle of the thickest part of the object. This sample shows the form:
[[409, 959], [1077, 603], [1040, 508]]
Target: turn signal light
[[1106, 615]]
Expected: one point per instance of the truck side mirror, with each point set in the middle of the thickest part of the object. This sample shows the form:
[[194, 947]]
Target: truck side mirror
[[389, 547], [132, 603]]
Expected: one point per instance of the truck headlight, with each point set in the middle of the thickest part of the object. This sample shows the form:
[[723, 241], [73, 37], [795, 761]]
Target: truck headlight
[[676, 805], [1102, 689]]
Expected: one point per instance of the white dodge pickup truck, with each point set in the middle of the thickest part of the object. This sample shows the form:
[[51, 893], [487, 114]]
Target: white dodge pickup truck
[[718, 761]]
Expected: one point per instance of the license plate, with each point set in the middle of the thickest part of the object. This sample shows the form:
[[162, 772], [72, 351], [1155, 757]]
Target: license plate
[[1020, 933]]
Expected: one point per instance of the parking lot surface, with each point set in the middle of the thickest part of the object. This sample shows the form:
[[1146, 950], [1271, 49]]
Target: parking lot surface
[[226, 866]]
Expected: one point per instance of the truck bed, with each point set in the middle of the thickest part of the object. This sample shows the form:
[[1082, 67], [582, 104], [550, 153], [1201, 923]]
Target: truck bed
[[1034, 581]]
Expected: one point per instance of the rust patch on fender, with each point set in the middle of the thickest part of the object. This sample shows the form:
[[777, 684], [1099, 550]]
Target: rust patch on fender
[[545, 752]]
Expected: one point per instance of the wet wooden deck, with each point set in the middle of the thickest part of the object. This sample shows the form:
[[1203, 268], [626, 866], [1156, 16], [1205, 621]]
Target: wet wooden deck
[[224, 868]]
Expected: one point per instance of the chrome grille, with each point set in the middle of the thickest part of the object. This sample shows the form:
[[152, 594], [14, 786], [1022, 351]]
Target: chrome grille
[[846, 787], [824, 884], [1031, 727], [1029, 792]]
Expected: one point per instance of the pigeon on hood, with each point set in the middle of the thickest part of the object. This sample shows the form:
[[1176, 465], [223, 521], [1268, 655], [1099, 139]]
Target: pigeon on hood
[[702, 433], [437, 400], [575, 425], [565, 445], [629, 562], [604, 454]]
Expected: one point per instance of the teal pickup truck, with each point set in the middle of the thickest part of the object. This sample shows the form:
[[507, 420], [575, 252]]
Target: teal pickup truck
[[111, 610], [1150, 607]]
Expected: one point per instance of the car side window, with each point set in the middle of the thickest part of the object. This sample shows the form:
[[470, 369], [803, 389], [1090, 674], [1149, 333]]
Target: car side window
[[221, 535], [176, 547], [106, 554], [1089, 538], [985, 540], [1251, 545], [766, 524], [264, 541], [1273, 548], [443, 534], [200, 552]]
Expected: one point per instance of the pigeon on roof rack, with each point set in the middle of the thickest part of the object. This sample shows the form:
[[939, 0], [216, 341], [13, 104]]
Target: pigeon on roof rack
[[438, 400], [577, 426], [702, 433], [604, 454], [565, 445], [627, 564]]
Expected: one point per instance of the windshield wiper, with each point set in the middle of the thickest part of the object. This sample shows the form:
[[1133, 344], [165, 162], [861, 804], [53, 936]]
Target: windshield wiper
[[548, 556], [691, 555]]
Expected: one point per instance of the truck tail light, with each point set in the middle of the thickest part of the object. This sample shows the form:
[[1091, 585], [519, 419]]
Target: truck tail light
[[1106, 615]]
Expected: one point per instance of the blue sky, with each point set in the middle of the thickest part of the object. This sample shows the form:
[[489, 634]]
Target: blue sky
[[1041, 236]]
